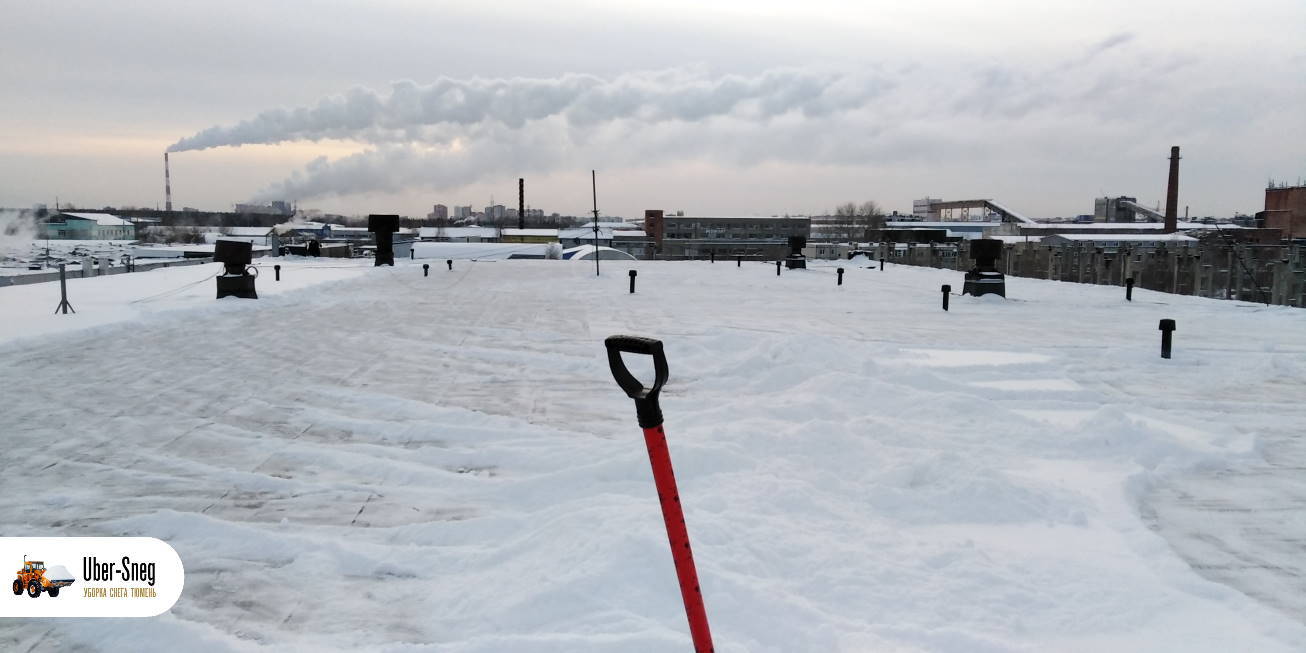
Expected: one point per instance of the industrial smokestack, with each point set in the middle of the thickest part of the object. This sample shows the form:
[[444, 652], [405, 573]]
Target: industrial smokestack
[[521, 203], [1172, 193], [167, 184]]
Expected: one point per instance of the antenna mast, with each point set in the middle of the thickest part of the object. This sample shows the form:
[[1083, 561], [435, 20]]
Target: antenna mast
[[595, 190]]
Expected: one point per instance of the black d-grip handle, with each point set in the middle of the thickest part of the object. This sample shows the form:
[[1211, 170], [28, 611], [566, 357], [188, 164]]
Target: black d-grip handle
[[646, 399]]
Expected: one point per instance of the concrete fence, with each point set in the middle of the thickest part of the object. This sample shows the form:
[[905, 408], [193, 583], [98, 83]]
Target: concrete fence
[[1272, 274], [75, 272]]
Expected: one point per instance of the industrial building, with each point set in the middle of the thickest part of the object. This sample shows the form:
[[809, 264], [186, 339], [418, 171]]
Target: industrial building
[[1285, 210], [260, 236], [468, 234], [1123, 209], [1112, 242], [528, 235], [279, 207], [626, 237], [923, 209], [682, 236], [88, 226], [846, 228]]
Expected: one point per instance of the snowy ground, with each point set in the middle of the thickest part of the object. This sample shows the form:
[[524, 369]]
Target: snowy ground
[[16, 253], [385, 461]]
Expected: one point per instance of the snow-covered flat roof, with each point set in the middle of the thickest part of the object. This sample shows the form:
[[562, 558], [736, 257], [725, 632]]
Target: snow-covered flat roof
[[589, 252], [456, 232], [102, 219], [605, 233], [208, 248], [735, 217], [1122, 226], [530, 232], [605, 224], [245, 231], [1113, 475], [958, 224], [481, 251], [1174, 237]]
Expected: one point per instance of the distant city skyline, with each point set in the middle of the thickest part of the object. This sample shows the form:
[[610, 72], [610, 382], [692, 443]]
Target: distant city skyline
[[734, 108]]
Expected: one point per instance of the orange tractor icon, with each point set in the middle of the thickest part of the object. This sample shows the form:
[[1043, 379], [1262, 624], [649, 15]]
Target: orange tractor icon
[[34, 577]]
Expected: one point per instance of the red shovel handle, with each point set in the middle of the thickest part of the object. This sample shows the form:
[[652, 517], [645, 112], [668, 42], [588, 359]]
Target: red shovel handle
[[678, 536], [664, 476]]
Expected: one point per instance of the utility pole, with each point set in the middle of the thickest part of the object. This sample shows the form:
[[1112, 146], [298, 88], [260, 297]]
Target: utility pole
[[594, 188]]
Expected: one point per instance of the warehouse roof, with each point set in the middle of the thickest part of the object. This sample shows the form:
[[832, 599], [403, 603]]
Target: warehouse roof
[[102, 219]]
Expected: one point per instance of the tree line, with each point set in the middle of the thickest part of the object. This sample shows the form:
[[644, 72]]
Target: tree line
[[857, 222]]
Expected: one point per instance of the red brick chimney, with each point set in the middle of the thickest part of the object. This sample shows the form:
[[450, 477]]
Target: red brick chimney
[[654, 225], [1172, 193]]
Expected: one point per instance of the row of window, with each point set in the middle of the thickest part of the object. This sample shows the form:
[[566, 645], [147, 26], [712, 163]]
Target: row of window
[[737, 226], [102, 233], [726, 236]]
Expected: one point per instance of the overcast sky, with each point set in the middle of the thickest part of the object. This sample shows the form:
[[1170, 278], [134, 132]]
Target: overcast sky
[[750, 107]]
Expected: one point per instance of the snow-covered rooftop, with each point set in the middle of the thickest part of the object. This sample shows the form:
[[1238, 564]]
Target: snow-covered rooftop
[[1123, 226], [245, 231], [381, 460], [609, 224], [530, 232], [1151, 238], [102, 219], [950, 224], [479, 251], [457, 232], [588, 252], [735, 217]]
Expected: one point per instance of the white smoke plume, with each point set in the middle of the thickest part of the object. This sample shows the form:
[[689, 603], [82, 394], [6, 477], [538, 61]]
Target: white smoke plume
[[583, 100], [453, 133], [17, 230]]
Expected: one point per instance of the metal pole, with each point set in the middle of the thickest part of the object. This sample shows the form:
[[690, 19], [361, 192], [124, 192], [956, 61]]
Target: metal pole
[[946, 291], [277, 270], [63, 293], [840, 272], [594, 188], [632, 282], [1129, 289]]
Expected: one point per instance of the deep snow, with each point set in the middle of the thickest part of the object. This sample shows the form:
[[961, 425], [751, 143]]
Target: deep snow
[[370, 459]]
